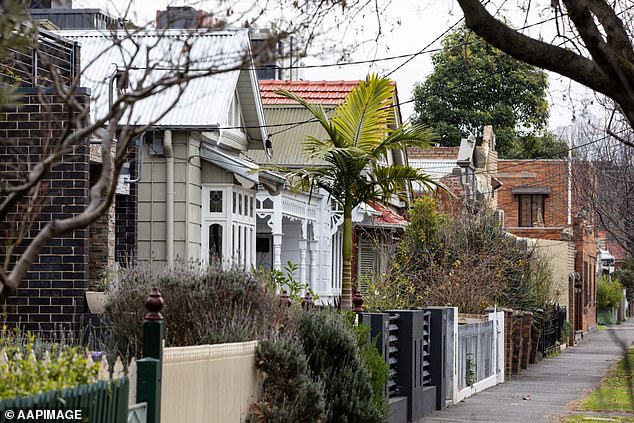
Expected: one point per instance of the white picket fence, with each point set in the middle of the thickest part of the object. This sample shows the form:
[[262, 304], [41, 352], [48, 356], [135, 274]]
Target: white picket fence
[[208, 383]]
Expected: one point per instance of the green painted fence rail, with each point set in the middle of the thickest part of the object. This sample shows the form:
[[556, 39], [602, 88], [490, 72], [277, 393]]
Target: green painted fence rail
[[105, 401]]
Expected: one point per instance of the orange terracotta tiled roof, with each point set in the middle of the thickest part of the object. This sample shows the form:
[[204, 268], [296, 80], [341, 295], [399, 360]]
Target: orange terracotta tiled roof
[[320, 92]]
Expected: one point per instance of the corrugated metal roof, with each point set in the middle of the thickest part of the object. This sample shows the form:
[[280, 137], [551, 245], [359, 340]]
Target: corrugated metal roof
[[203, 103], [321, 92], [434, 168]]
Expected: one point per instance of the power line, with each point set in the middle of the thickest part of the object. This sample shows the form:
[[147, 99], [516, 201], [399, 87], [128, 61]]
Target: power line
[[423, 50], [393, 105], [410, 56]]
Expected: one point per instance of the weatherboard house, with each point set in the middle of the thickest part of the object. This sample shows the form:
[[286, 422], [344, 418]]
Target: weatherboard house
[[195, 194], [306, 228]]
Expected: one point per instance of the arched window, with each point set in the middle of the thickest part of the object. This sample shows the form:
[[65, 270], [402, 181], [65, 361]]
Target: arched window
[[215, 242]]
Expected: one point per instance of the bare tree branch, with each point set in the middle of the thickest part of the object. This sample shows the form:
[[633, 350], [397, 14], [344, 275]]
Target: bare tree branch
[[609, 66]]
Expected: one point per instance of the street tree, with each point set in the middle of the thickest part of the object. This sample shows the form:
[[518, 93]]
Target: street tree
[[360, 133], [501, 91], [604, 185], [592, 46]]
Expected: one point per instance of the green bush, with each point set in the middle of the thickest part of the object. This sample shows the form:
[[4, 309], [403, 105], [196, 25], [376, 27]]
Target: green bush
[[289, 393], [334, 358], [284, 280], [372, 359], [609, 292], [213, 306], [626, 276], [466, 261], [29, 366]]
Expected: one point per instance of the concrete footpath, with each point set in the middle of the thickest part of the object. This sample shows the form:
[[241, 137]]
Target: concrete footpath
[[542, 392]]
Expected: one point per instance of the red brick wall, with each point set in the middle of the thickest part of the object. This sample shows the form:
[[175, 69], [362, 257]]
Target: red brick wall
[[585, 265], [534, 173]]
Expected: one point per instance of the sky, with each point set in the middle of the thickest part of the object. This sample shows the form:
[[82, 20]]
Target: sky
[[407, 27]]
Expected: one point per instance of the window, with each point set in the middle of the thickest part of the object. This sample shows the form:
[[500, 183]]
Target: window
[[367, 264], [228, 229], [215, 201], [531, 210], [215, 242]]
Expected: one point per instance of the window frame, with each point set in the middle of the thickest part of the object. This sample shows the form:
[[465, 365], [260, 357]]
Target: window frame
[[531, 208]]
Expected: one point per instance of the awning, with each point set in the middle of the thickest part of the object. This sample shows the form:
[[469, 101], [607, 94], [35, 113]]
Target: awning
[[240, 167], [527, 189]]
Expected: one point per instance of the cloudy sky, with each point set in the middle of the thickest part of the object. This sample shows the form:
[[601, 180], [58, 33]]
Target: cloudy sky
[[407, 27]]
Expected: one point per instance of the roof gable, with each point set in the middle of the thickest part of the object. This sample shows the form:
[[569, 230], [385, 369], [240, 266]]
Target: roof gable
[[293, 123], [204, 102]]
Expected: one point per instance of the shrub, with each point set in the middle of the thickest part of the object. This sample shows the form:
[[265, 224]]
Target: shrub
[[29, 366], [334, 358], [201, 307], [284, 280], [372, 360], [289, 393], [466, 261], [609, 292]]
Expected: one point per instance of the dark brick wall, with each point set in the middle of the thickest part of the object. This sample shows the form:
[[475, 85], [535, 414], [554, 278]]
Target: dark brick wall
[[126, 217], [51, 297]]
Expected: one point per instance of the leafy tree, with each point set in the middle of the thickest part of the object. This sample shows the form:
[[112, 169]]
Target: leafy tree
[[626, 276], [593, 45], [360, 133], [501, 91], [609, 292]]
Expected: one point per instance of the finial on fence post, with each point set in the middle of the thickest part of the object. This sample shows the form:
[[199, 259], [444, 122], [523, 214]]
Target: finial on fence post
[[154, 304], [307, 302], [149, 367], [357, 302], [285, 299]]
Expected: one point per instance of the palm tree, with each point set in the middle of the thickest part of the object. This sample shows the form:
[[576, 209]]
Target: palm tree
[[360, 133]]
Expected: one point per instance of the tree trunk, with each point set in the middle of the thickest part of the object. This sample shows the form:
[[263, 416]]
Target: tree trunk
[[346, 277]]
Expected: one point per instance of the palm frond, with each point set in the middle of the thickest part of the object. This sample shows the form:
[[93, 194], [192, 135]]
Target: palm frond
[[416, 135], [362, 119], [391, 179], [317, 111]]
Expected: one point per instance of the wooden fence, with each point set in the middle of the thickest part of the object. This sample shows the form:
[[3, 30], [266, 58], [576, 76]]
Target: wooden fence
[[208, 383]]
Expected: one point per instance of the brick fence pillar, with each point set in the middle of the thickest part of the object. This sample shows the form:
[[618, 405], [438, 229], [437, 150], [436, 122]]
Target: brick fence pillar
[[517, 342], [527, 323]]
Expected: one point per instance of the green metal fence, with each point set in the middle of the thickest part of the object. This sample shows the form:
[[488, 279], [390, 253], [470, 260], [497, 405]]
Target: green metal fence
[[105, 401]]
